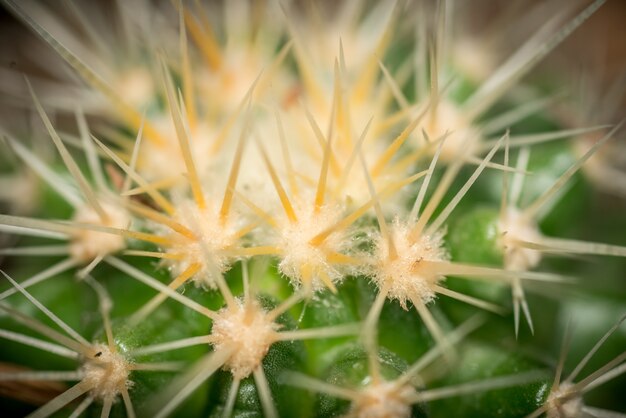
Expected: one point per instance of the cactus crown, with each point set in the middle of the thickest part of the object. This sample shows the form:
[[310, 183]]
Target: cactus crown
[[292, 180]]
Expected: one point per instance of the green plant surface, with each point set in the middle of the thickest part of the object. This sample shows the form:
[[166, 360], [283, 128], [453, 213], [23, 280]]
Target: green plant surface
[[305, 209]]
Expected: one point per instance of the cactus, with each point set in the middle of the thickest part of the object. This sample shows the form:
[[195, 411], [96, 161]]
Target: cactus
[[267, 209]]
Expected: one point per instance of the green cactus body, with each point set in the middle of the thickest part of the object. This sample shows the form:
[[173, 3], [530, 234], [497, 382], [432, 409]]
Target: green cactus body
[[285, 209]]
